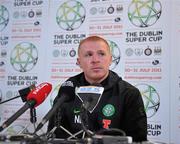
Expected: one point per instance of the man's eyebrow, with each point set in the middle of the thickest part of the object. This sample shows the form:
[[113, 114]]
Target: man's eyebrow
[[88, 51], [102, 50]]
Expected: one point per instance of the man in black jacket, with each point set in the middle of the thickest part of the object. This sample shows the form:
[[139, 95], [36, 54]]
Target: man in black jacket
[[120, 106]]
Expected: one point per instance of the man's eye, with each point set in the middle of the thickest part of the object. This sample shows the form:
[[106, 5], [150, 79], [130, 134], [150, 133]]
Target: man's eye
[[88, 54], [101, 54]]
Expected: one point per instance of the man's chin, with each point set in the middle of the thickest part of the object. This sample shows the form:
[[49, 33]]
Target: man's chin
[[97, 71], [97, 76]]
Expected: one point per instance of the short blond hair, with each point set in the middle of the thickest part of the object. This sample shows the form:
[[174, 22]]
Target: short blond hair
[[93, 38]]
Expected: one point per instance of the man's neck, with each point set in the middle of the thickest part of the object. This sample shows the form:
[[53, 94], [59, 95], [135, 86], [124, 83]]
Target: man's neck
[[96, 81]]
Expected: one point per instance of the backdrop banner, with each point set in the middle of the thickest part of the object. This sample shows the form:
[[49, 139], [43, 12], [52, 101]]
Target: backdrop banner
[[39, 41]]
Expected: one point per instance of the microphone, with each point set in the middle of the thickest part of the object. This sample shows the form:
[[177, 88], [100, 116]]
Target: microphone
[[25, 91], [66, 96], [34, 98], [90, 96], [86, 104], [22, 93], [33, 117]]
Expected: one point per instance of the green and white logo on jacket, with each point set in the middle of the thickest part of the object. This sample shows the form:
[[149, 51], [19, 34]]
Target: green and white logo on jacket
[[108, 110]]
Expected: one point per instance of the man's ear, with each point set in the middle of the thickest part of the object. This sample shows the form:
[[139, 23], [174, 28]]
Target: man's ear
[[78, 62], [111, 60]]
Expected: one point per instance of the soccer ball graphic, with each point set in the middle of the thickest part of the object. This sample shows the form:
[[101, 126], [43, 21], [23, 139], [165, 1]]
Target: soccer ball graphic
[[144, 13], [151, 99], [70, 15], [116, 54], [24, 57], [4, 17]]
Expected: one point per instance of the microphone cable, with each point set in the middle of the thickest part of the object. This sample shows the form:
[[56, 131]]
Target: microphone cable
[[111, 131]]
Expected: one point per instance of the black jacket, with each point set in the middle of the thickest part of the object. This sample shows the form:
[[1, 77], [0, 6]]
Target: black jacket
[[120, 107]]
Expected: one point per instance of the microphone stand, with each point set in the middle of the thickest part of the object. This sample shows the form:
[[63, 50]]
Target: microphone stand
[[23, 94], [84, 121], [33, 117], [9, 99]]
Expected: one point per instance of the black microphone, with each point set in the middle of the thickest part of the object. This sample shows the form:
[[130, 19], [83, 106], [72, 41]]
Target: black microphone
[[84, 115], [34, 98], [86, 104], [22, 93], [67, 93], [90, 96], [33, 117]]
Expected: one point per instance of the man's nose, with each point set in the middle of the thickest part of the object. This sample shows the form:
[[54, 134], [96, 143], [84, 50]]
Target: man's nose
[[95, 58]]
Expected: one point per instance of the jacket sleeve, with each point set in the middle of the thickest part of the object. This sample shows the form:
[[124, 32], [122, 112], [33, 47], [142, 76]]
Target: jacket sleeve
[[135, 115]]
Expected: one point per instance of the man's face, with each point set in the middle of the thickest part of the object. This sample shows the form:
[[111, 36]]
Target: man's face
[[94, 59]]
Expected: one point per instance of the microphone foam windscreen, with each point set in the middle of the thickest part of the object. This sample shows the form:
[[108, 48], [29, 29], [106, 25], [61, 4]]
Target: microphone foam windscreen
[[68, 92], [40, 93], [25, 91], [90, 94]]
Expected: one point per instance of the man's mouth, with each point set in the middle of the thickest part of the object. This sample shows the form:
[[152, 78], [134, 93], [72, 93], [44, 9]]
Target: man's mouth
[[96, 68]]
